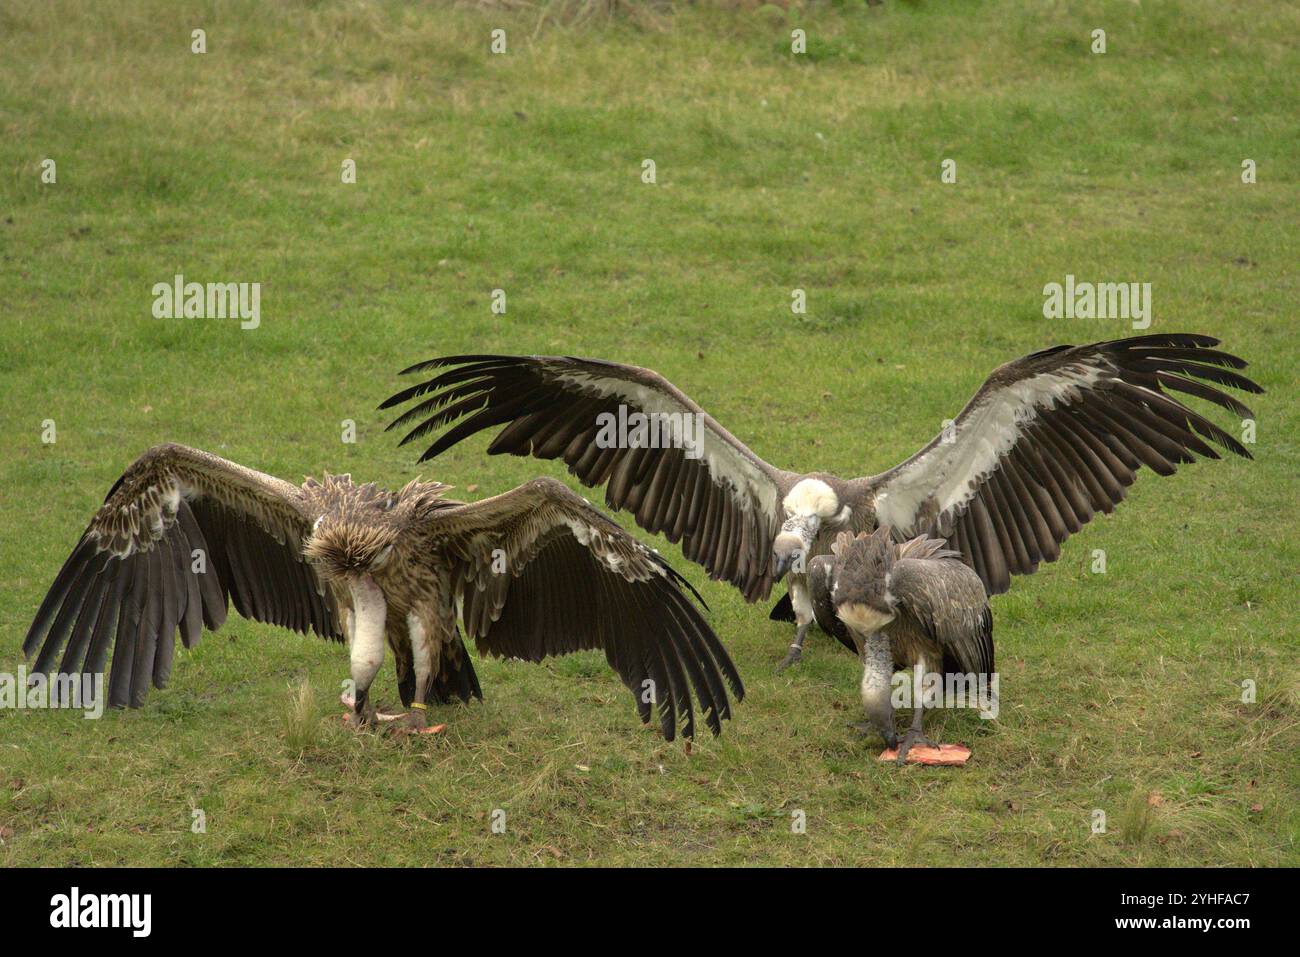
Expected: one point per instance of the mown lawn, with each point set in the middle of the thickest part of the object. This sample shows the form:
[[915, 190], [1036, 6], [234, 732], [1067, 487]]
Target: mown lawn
[[1121, 692]]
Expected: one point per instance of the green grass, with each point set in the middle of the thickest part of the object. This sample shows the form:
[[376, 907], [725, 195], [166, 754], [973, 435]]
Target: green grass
[[1121, 692]]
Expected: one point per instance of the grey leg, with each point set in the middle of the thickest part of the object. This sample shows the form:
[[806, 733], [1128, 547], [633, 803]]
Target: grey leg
[[803, 618], [422, 660], [877, 674], [915, 734], [795, 654]]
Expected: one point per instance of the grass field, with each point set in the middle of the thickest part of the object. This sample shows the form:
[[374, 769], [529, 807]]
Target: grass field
[[521, 171]]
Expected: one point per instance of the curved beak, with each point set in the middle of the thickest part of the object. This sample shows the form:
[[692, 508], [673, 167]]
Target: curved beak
[[793, 544], [782, 563]]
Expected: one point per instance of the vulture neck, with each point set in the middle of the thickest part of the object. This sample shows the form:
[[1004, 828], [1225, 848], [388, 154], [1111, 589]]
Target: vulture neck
[[371, 612]]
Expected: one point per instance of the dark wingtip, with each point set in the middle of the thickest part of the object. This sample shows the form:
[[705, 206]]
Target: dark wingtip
[[676, 577], [443, 361]]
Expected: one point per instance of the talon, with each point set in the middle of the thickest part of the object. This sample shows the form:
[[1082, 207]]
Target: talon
[[362, 720], [414, 720], [795, 656], [911, 738]]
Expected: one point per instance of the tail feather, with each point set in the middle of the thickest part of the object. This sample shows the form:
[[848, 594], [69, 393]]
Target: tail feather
[[455, 678], [405, 669], [783, 610]]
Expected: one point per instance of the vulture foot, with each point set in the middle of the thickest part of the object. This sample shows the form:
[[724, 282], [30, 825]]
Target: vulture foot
[[793, 658], [914, 736], [362, 720], [414, 720]]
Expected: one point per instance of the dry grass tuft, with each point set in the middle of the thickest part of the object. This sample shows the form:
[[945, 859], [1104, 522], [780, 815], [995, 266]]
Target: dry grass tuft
[[301, 718]]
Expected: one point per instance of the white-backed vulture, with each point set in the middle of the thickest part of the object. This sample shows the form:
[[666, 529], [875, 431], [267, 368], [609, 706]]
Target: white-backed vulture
[[531, 573], [912, 605], [1046, 442]]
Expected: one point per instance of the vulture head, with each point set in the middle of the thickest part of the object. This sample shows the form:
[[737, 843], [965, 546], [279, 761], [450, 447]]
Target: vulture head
[[345, 549], [810, 505]]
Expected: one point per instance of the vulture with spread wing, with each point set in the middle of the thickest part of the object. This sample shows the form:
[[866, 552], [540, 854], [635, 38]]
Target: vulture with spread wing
[[1047, 441], [531, 573]]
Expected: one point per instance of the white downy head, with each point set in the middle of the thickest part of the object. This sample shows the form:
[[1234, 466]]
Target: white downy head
[[810, 503]]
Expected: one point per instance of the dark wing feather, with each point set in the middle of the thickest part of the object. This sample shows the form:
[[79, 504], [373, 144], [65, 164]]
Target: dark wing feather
[[1053, 438], [574, 580], [821, 586], [946, 600], [180, 535], [724, 506]]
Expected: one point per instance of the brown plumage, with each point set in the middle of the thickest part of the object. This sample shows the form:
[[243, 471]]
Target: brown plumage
[[1047, 441], [912, 605], [531, 573]]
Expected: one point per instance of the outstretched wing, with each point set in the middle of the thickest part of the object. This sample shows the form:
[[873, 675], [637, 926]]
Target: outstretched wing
[[1054, 437], [946, 600], [179, 535], [540, 572], [705, 489]]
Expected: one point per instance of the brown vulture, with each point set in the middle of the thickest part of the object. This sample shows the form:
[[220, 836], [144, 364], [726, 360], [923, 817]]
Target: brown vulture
[[911, 605], [531, 573], [1047, 441]]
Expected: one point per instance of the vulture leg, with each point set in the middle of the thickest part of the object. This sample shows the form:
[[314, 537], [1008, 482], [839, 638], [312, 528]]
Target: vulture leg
[[877, 677], [915, 735], [422, 652], [803, 617]]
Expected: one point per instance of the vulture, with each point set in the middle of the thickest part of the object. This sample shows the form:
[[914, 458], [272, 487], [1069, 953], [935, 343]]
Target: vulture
[[1049, 440], [914, 605], [531, 573]]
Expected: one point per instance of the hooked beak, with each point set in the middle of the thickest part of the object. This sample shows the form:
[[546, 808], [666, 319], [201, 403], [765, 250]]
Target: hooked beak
[[792, 545], [781, 564]]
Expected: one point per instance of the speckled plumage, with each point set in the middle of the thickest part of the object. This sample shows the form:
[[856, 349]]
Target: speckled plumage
[[913, 604], [533, 572], [938, 605]]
